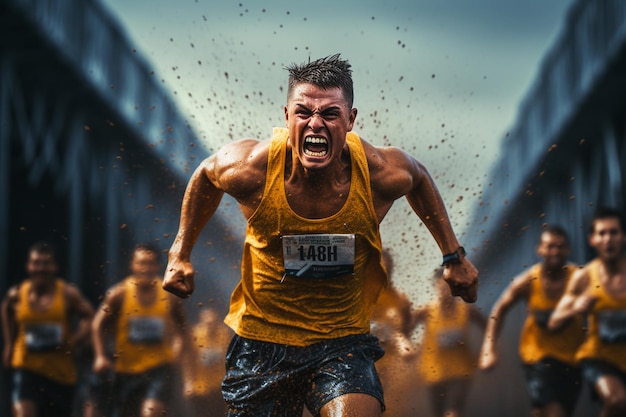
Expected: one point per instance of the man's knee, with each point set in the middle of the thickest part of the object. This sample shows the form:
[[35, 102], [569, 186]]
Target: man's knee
[[352, 405], [613, 394], [152, 408], [24, 408]]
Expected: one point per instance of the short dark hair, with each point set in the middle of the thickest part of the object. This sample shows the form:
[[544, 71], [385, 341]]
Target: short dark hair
[[604, 212], [44, 248], [327, 72], [555, 230]]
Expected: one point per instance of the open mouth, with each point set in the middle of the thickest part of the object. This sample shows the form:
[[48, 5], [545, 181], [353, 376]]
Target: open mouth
[[315, 146]]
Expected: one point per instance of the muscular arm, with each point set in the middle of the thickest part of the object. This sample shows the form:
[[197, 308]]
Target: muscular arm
[[234, 169], [105, 316], [576, 300], [394, 174], [518, 290], [8, 325]]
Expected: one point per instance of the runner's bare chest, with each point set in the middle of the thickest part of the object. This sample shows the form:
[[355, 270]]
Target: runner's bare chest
[[320, 197], [554, 288], [41, 300], [614, 283]]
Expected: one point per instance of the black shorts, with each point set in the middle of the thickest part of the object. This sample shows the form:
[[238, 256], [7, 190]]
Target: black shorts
[[593, 369], [51, 398], [551, 380], [278, 380], [111, 391]]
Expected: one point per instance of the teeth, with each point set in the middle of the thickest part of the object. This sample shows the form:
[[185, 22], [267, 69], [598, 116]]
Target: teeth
[[316, 140], [311, 153]]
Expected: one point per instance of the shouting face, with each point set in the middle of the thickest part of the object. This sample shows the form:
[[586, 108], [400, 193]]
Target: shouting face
[[318, 120]]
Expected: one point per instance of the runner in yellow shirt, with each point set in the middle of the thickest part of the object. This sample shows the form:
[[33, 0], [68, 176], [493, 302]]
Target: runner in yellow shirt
[[313, 195], [445, 361], [147, 325], [204, 366], [599, 291], [548, 357], [40, 339]]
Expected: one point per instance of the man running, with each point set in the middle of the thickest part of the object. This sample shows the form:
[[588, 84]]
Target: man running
[[599, 291], [44, 319], [553, 379], [145, 325], [314, 196]]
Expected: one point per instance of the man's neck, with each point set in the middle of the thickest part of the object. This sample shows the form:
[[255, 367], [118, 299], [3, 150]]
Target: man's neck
[[42, 286], [554, 273]]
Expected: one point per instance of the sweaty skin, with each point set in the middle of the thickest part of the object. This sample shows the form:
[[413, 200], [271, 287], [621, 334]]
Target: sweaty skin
[[317, 183], [553, 250], [41, 268], [608, 240]]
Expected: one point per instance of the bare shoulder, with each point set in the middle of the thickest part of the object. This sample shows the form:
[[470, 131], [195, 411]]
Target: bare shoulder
[[239, 165], [522, 281], [12, 295], [114, 296], [580, 280], [72, 292], [392, 170]]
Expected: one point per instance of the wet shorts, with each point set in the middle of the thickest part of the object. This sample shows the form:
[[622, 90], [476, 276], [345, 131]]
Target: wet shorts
[[594, 369], [49, 396], [551, 380], [108, 391], [270, 379]]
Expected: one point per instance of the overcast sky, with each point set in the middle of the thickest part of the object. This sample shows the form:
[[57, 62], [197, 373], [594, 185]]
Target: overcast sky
[[441, 79]]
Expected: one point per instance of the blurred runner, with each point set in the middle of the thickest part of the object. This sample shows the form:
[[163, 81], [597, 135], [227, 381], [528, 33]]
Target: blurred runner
[[40, 339], [446, 362], [146, 324], [553, 379], [599, 291], [204, 367], [391, 323]]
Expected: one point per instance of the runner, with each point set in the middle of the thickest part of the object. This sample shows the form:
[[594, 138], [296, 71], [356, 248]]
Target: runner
[[146, 324], [40, 339], [446, 362], [548, 357], [314, 196], [599, 291]]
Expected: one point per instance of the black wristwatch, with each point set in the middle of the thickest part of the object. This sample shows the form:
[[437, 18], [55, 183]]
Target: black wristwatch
[[454, 257]]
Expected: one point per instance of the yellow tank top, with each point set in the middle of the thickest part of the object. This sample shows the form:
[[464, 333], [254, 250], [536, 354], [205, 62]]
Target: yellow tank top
[[42, 336], [536, 341], [288, 293], [606, 338], [144, 333], [445, 353]]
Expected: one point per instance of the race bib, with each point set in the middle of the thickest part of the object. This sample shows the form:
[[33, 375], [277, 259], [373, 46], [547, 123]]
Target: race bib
[[612, 326], [319, 255], [44, 337], [146, 329]]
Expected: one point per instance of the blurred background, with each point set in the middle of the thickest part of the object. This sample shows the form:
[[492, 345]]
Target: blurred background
[[106, 107]]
